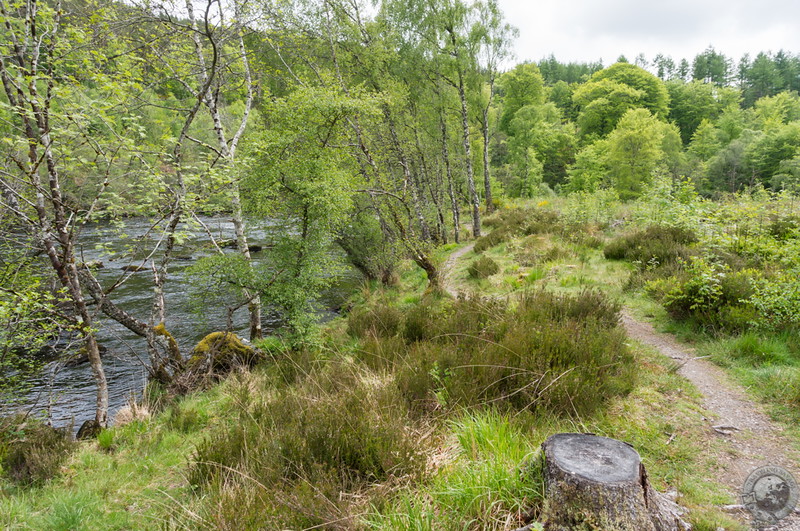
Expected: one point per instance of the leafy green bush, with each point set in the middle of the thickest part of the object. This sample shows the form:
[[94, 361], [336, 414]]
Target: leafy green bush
[[483, 267], [785, 228], [777, 301], [32, 452], [708, 293]]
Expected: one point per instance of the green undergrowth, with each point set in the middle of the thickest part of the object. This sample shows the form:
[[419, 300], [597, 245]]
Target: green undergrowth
[[414, 411], [130, 481], [725, 277], [488, 464]]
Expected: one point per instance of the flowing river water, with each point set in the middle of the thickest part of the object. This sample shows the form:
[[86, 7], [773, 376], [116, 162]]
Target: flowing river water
[[67, 391]]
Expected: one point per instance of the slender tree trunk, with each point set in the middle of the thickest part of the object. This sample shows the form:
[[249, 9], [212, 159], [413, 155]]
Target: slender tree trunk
[[486, 177], [473, 193], [425, 177], [68, 271], [439, 193], [450, 188], [408, 180], [226, 146], [51, 220]]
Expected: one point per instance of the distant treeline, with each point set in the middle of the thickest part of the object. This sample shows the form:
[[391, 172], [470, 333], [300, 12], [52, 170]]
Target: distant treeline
[[582, 127]]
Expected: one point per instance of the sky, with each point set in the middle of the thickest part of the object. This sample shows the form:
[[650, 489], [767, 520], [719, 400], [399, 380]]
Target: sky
[[589, 30]]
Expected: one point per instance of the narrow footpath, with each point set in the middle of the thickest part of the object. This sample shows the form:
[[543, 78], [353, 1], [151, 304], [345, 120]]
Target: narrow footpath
[[449, 266], [749, 438]]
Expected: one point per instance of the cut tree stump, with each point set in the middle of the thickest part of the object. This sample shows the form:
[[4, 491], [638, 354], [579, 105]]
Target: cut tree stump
[[596, 483]]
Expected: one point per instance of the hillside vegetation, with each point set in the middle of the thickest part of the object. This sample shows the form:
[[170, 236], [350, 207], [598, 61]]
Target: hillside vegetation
[[377, 138]]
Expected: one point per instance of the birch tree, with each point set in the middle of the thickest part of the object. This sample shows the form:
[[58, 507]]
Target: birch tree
[[34, 68]]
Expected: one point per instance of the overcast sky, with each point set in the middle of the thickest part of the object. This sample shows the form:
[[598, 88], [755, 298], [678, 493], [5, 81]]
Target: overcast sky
[[588, 30]]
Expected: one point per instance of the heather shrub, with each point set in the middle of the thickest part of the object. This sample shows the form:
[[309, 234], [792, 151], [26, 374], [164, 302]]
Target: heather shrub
[[380, 353], [31, 452], [290, 453], [496, 237], [516, 222], [425, 320], [378, 318], [558, 353], [655, 246]]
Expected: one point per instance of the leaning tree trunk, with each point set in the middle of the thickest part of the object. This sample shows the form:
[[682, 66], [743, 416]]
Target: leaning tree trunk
[[600, 483]]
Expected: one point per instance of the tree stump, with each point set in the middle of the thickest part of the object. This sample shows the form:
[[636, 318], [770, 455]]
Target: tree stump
[[596, 483]]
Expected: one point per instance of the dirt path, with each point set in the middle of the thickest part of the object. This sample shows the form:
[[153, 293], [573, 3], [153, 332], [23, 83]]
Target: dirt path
[[750, 438], [449, 266]]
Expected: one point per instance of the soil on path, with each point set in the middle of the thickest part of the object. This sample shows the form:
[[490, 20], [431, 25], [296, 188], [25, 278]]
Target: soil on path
[[449, 266], [750, 438]]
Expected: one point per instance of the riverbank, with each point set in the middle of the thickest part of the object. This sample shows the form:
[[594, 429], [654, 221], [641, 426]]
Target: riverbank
[[391, 422], [65, 391]]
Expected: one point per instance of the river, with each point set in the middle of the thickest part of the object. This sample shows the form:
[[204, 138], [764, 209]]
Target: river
[[67, 393]]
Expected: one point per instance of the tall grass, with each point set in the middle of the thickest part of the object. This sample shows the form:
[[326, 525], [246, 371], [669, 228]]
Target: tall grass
[[292, 452]]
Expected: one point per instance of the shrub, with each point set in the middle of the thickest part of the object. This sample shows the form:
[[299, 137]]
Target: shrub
[[555, 253], [381, 352], [32, 452], [553, 352], [424, 320], [710, 294], [590, 305], [785, 228], [576, 235], [483, 267], [517, 222], [425, 377], [379, 319], [777, 301], [496, 237], [471, 319], [656, 245]]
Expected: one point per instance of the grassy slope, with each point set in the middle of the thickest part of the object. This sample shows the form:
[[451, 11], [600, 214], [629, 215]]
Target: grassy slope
[[479, 469]]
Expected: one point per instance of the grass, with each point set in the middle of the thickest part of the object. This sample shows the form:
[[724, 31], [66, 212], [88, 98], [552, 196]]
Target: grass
[[379, 426], [487, 466], [130, 487]]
